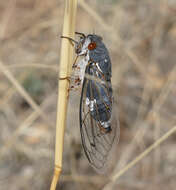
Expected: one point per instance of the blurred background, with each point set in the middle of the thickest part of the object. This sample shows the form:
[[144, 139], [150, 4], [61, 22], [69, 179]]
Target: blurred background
[[141, 38]]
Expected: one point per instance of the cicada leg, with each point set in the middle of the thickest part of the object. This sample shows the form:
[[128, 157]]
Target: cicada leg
[[65, 78], [75, 83]]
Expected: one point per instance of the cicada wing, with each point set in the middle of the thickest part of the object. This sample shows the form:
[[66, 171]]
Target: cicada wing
[[99, 143]]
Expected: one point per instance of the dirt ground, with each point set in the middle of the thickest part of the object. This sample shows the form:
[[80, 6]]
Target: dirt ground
[[141, 38]]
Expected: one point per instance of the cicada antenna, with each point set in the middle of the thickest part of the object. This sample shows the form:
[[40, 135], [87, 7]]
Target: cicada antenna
[[79, 33], [70, 39]]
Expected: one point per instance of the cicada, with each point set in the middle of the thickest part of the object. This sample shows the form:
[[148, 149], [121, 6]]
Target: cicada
[[99, 125]]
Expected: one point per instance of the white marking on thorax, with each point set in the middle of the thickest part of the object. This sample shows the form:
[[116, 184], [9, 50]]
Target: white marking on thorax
[[82, 67], [84, 49]]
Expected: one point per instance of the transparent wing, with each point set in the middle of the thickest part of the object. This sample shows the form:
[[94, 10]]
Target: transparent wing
[[98, 120]]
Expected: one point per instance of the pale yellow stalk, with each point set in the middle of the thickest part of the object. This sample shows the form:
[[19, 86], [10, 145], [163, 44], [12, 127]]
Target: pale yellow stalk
[[65, 70]]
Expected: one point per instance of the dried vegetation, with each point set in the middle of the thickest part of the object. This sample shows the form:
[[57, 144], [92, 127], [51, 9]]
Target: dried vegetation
[[141, 38]]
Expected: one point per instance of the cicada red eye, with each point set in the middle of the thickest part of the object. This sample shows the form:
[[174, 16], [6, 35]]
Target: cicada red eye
[[92, 46]]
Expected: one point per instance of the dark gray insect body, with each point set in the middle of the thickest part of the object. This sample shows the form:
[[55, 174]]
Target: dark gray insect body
[[98, 125]]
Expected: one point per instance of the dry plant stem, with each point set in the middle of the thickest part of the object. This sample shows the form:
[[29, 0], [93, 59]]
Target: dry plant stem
[[139, 158], [10, 92], [22, 91], [156, 107], [144, 98], [35, 65], [145, 153], [65, 70], [23, 126], [157, 153], [8, 13], [115, 38]]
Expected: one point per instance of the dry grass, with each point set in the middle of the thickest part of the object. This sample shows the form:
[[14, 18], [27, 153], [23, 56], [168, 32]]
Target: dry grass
[[141, 38]]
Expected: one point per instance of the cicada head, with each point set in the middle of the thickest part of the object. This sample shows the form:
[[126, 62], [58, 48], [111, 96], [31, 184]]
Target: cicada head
[[91, 44], [81, 47], [87, 43]]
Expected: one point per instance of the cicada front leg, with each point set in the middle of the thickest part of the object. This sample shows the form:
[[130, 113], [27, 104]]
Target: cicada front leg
[[78, 73], [75, 83]]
